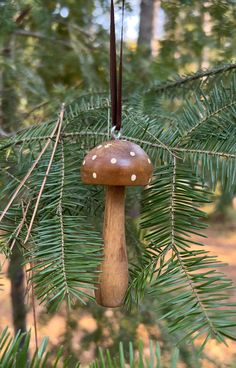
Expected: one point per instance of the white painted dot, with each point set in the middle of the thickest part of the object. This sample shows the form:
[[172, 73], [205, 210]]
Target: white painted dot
[[84, 162], [94, 175], [132, 153], [113, 160], [149, 161], [94, 157], [100, 146], [133, 177]]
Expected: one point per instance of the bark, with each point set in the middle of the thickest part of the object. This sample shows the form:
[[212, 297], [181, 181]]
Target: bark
[[8, 112], [16, 275], [146, 26]]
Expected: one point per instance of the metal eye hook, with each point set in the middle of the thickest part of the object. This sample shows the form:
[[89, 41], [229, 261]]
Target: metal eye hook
[[116, 134]]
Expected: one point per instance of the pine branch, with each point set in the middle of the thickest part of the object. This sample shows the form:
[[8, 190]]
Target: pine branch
[[179, 82], [66, 248], [207, 110], [178, 254], [183, 279], [205, 119], [12, 176], [60, 213], [58, 132], [86, 104], [16, 352], [15, 233], [22, 183], [41, 36]]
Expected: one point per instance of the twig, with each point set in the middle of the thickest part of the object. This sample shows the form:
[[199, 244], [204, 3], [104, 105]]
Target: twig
[[159, 142], [60, 210], [13, 177], [176, 251], [41, 36], [17, 231], [141, 141], [24, 212], [60, 120], [37, 107], [203, 120], [3, 133], [34, 309], [22, 183], [190, 78]]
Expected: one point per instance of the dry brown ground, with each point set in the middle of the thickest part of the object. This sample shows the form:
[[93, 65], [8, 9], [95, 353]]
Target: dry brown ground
[[221, 241]]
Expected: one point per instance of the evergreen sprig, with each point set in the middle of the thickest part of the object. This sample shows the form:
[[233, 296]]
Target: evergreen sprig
[[185, 281], [191, 146], [15, 352]]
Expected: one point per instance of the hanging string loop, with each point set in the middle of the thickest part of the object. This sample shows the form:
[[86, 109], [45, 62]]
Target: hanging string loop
[[116, 85], [116, 134]]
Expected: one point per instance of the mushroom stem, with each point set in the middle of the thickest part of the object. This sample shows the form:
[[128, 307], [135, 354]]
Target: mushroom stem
[[113, 280]]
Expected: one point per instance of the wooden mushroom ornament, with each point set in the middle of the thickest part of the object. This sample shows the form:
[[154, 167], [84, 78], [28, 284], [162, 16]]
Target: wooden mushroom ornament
[[115, 164]]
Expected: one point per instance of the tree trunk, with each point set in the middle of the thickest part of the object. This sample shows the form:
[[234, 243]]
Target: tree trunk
[[8, 111], [16, 275], [146, 26]]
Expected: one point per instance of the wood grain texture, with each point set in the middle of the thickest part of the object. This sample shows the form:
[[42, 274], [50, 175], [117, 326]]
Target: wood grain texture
[[114, 276], [117, 162]]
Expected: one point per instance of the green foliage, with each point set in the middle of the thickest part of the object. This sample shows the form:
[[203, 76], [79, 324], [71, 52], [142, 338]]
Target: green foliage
[[185, 281], [15, 352], [153, 360], [192, 149], [196, 34], [186, 124]]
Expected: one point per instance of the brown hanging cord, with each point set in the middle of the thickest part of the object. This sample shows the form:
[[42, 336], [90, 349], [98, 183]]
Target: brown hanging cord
[[116, 88]]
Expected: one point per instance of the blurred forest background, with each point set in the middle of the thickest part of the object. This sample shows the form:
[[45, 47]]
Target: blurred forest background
[[54, 51]]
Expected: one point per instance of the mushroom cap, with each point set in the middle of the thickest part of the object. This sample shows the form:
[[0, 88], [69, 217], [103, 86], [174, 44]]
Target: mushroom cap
[[117, 162]]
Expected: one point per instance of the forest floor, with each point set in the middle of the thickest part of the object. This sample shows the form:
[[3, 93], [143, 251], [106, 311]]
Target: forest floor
[[221, 241]]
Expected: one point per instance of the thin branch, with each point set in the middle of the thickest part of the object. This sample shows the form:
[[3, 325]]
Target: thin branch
[[172, 204], [59, 125], [199, 75], [17, 231], [61, 219], [3, 133], [40, 138], [14, 177], [37, 107], [159, 142], [202, 121], [179, 149], [34, 310], [205, 152], [24, 213], [176, 251], [137, 140], [194, 291], [22, 183], [41, 36], [161, 145]]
